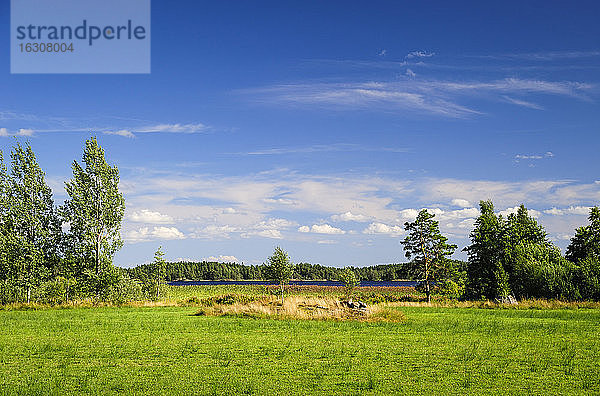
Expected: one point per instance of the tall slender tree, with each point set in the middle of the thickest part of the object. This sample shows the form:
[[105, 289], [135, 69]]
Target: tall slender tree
[[428, 249], [486, 276], [32, 222], [94, 210], [158, 272], [3, 218]]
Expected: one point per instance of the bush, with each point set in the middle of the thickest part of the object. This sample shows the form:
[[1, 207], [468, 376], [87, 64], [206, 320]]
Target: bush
[[588, 278], [10, 292], [541, 272], [56, 291], [124, 290]]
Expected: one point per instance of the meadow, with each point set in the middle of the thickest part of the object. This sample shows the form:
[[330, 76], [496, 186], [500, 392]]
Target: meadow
[[167, 348]]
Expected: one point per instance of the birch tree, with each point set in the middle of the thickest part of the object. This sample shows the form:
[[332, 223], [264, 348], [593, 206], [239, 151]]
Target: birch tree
[[280, 268], [32, 226], [94, 210]]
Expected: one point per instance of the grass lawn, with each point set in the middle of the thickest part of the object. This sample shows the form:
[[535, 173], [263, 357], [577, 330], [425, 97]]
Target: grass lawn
[[168, 350]]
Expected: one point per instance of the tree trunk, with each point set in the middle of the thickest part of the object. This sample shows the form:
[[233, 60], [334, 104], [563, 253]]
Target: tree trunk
[[281, 293], [98, 255], [428, 291]]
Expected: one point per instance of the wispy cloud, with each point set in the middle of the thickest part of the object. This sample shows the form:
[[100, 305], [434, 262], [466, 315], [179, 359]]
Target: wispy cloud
[[440, 97], [542, 56], [320, 148], [420, 54], [173, 128], [523, 103], [122, 132], [548, 154]]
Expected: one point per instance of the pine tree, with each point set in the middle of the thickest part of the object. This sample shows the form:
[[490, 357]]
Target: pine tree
[[428, 249]]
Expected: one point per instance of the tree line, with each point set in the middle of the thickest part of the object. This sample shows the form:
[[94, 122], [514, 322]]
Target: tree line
[[508, 258], [60, 253], [211, 270]]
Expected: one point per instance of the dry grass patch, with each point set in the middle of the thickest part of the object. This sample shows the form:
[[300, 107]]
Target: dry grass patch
[[304, 308]]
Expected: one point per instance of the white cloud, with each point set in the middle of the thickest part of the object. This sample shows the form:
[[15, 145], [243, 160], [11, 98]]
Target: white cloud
[[25, 132], [229, 211], [221, 259], [4, 132], [522, 103], [458, 214], [326, 229], [122, 132], [410, 73], [571, 210], [349, 216], [380, 228], [175, 128], [408, 214], [269, 233], [464, 224], [382, 52], [275, 224], [548, 154], [326, 242], [531, 212], [378, 199], [215, 232], [145, 234], [147, 216], [419, 54], [463, 203], [322, 229], [415, 95]]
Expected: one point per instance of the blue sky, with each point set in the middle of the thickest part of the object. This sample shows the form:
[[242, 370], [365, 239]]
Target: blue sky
[[323, 126]]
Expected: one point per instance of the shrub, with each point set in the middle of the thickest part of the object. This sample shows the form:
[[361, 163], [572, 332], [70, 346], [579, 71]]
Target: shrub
[[588, 278], [541, 272]]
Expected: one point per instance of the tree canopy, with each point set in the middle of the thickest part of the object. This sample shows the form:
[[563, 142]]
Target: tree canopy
[[428, 249]]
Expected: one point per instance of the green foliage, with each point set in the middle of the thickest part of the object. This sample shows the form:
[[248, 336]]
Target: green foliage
[[514, 256], [540, 271], [280, 268], [94, 210], [348, 277], [29, 228], [586, 241], [123, 290], [56, 291], [155, 276], [428, 249], [588, 277]]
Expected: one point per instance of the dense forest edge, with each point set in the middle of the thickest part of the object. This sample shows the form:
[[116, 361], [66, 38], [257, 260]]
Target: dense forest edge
[[211, 270], [62, 253]]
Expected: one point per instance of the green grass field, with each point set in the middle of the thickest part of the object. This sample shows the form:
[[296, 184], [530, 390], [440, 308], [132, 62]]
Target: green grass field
[[159, 350]]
